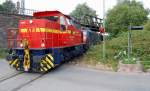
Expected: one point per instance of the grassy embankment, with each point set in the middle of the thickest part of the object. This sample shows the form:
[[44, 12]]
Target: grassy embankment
[[141, 49]]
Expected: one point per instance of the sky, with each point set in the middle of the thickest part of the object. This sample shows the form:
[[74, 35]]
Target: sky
[[66, 6]]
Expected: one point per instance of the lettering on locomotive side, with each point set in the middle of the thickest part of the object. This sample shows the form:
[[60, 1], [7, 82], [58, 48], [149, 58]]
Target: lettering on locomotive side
[[25, 30]]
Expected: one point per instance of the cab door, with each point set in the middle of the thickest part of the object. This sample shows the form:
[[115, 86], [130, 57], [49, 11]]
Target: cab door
[[63, 36]]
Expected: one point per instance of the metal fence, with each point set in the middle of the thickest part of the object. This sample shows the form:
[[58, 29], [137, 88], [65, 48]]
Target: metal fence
[[22, 11], [19, 11]]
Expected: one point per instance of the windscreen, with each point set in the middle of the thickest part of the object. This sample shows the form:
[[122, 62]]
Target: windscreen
[[51, 18]]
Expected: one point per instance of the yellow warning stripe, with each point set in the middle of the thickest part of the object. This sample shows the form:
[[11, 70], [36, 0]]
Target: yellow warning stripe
[[26, 64], [10, 62], [41, 64], [47, 65], [50, 57], [17, 65], [45, 68], [14, 62], [41, 69], [44, 65], [48, 60]]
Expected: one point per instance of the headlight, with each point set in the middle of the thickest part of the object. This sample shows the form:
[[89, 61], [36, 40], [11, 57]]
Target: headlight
[[21, 45], [42, 44]]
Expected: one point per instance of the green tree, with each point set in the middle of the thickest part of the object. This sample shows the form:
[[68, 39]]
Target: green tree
[[81, 10], [123, 14], [9, 6], [1, 8]]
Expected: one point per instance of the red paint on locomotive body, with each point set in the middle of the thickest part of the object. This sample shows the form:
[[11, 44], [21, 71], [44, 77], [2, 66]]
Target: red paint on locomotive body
[[50, 29]]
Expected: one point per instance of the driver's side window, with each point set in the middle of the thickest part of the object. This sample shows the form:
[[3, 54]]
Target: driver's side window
[[62, 23]]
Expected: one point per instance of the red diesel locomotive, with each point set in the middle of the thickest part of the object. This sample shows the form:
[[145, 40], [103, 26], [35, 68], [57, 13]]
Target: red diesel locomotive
[[41, 43]]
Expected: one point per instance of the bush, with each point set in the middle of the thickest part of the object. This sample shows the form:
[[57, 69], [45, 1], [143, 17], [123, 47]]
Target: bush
[[147, 25], [140, 49]]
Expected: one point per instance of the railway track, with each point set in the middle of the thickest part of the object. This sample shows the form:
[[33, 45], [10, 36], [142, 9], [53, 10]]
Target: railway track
[[8, 79], [23, 85], [9, 76]]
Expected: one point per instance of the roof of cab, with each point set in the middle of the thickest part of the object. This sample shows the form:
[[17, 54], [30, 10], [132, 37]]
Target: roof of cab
[[49, 13], [52, 13]]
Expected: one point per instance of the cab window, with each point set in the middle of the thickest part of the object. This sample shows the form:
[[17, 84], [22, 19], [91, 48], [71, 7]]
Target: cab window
[[62, 23], [69, 22], [51, 18], [77, 25]]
